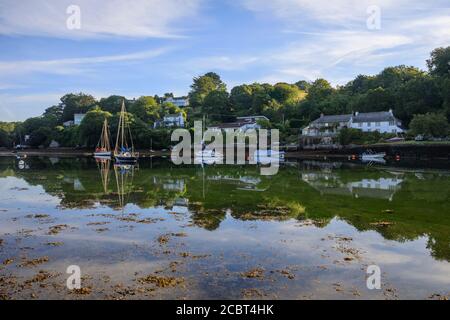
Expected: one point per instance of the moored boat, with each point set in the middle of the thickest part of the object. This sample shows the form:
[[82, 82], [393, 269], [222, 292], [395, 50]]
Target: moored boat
[[124, 150], [367, 156], [103, 149]]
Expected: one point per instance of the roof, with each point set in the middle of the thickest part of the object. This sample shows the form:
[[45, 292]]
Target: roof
[[252, 117], [333, 118], [374, 117], [230, 125], [177, 98], [172, 115], [358, 117]]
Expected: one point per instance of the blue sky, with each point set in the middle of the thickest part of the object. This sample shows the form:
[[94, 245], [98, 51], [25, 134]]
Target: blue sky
[[147, 47]]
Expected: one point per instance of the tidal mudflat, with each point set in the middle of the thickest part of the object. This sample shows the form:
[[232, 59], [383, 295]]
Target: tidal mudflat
[[159, 231]]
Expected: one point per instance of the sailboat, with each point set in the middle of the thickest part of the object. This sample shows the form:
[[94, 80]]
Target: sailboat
[[103, 149], [123, 152]]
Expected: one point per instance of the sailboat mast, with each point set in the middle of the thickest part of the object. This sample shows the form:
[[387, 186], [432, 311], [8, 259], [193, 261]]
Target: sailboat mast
[[107, 142], [123, 122]]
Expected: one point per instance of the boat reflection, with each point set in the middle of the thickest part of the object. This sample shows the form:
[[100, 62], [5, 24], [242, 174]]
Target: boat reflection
[[124, 174], [104, 165]]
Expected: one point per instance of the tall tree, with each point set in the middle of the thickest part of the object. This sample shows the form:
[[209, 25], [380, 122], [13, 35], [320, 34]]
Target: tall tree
[[76, 103], [146, 108], [56, 112], [439, 62], [112, 104], [217, 105], [430, 124], [241, 98], [91, 126], [202, 86]]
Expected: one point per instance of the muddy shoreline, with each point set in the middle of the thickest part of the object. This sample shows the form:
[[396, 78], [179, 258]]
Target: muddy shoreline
[[439, 152]]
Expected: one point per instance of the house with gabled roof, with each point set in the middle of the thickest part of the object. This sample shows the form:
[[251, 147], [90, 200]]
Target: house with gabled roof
[[330, 125]]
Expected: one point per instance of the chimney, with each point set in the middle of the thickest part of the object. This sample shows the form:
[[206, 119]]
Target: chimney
[[356, 113], [391, 112], [321, 115]]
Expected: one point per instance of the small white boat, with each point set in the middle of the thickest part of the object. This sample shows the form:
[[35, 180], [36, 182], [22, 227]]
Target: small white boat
[[370, 156]]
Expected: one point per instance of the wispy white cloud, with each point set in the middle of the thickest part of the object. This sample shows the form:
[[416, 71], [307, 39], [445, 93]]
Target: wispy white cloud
[[333, 35], [73, 65], [136, 18], [305, 12]]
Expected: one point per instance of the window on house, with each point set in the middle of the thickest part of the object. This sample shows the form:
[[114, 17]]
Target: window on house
[[369, 124], [392, 123], [360, 124], [378, 124]]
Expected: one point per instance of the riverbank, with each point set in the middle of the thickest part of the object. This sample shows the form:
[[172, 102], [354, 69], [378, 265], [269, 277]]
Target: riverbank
[[404, 150], [69, 152]]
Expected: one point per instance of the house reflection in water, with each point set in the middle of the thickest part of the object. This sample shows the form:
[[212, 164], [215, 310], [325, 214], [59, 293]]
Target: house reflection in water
[[170, 184], [331, 183], [383, 188], [244, 183]]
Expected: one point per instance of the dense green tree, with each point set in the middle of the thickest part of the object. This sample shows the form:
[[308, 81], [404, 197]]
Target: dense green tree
[[41, 137], [217, 105], [261, 97], [378, 99], [68, 136], [202, 86], [430, 125], [113, 104], [320, 89], [146, 108], [286, 93], [5, 139], [360, 84], [76, 103], [394, 77], [91, 127], [241, 98], [438, 64], [303, 85], [418, 96], [55, 112]]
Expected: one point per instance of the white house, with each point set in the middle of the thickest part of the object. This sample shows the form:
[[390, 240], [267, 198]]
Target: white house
[[242, 124], [171, 120], [178, 101], [328, 126], [383, 122], [236, 126]]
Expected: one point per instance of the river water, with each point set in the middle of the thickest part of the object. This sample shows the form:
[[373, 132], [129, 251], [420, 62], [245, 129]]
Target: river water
[[160, 231]]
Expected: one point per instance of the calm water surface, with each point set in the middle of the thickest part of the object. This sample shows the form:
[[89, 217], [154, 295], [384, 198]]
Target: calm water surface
[[161, 231]]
